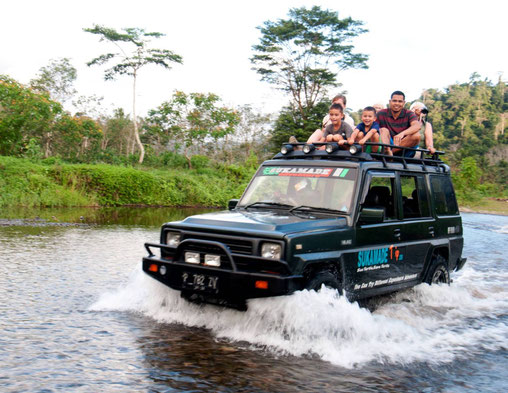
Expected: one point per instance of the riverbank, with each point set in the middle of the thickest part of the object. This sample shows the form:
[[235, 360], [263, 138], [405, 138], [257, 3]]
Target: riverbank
[[487, 206], [47, 184]]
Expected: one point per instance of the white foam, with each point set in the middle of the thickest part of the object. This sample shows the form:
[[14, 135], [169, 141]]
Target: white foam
[[434, 324], [503, 229]]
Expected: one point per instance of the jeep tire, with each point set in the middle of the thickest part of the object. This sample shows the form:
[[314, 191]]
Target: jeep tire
[[326, 278], [438, 272]]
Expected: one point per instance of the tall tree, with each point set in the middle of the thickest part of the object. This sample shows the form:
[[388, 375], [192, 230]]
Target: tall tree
[[24, 115], [32, 121], [290, 122], [301, 55], [191, 120], [57, 79], [129, 63], [117, 131]]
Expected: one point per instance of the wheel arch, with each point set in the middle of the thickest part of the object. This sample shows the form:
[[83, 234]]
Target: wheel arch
[[442, 251], [313, 267]]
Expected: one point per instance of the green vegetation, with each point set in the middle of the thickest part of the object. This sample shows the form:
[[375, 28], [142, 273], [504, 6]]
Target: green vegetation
[[303, 55], [130, 64], [45, 183], [469, 121], [190, 119], [32, 124], [486, 205]]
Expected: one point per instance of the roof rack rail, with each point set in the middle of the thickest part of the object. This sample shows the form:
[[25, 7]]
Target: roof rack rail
[[335, 152]]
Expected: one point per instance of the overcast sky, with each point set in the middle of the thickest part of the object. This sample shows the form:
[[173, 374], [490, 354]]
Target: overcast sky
[[412, 46]]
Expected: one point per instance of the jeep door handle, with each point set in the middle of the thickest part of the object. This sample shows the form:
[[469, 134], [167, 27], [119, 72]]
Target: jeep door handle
[[396, 233], [431, 231]]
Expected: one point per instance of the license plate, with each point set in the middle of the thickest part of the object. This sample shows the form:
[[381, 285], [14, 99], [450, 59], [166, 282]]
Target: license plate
[[200, 282]]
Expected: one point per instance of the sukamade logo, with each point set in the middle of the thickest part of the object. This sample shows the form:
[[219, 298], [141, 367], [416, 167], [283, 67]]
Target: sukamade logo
[[379, 256]]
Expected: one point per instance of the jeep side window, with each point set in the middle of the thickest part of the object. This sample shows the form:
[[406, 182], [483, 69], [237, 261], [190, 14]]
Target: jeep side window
[[443, 196], [415, 203], [380, 195]]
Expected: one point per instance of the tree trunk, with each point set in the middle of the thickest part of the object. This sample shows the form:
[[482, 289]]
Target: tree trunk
[[136, 133], [186, 155], [47, 148]]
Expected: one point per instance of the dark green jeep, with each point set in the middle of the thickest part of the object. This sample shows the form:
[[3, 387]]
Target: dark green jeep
[[365, 224]]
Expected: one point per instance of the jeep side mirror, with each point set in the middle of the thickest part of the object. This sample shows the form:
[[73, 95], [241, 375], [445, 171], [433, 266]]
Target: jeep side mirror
[[371, 215], [232, 203]]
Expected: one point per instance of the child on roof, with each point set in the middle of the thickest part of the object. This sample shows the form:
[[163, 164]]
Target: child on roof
[[337, 130], [367, 130]]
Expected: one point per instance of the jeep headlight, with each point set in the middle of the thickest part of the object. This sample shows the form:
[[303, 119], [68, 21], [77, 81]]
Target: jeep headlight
[[271, 250], [173, 239]]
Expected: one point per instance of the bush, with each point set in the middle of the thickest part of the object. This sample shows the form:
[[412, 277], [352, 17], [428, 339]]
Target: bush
[[23, 183], [199, 162], [174, 160]]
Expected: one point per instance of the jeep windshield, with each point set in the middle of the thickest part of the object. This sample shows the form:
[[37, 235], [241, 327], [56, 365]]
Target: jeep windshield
[[287, 187]]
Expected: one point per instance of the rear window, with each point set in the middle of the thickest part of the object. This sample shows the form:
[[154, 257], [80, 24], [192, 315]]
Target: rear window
[[443, 196]]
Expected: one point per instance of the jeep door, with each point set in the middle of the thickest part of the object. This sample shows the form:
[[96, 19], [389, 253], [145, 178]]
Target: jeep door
[[379, 258], [417, 226]]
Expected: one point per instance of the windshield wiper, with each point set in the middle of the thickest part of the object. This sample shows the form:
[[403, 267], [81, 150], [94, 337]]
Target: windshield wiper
[[268, 203], [314, 208]]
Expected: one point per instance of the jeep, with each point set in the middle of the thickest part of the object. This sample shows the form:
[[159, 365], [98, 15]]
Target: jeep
[[365, 224]]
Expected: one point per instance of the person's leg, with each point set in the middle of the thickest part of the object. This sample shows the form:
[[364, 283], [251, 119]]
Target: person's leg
[[429, 138], [316, 136], [409, 141], [386, 139], [375, 139]]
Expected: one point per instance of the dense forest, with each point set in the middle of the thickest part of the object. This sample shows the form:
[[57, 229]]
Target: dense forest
[[46, 123]]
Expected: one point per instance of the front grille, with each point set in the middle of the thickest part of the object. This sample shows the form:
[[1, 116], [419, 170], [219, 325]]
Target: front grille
[[208, 249], [236, 246], [245, 251]]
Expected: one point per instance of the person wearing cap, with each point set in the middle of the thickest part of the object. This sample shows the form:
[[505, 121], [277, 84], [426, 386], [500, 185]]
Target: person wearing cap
[[426, 136]]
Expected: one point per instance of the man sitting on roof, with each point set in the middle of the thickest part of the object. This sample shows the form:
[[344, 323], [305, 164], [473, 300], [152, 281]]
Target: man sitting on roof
[[398, 126]]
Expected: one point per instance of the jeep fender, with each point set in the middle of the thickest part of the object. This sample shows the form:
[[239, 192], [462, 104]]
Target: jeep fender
[[438, 247], [331, 260]]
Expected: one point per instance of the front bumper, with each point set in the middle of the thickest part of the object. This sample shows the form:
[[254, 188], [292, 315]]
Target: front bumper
[[231, 283]]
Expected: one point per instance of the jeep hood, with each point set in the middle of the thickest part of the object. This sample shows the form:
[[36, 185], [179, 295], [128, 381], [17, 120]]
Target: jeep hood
[[258, 222]]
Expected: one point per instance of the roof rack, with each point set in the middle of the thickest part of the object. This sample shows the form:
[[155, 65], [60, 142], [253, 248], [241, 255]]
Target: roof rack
[[333, 151]]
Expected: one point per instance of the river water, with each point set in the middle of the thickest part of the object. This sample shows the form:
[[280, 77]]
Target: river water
[[77, 314]]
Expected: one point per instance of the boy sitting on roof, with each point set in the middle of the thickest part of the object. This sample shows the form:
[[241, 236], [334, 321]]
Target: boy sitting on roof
[[338, 130], [367, 130]]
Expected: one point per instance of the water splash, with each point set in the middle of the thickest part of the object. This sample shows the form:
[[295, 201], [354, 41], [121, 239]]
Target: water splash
[[430, 324]]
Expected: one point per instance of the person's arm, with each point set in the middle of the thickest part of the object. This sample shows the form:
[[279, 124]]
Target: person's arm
[[338, 138], [429, 138], [353, 136], [367, 136], [326, 121], [325, 136], [414, 127]]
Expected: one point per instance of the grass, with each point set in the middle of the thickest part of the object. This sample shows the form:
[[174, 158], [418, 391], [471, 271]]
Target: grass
[[487, 205], [25, 183], [32, 184]]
